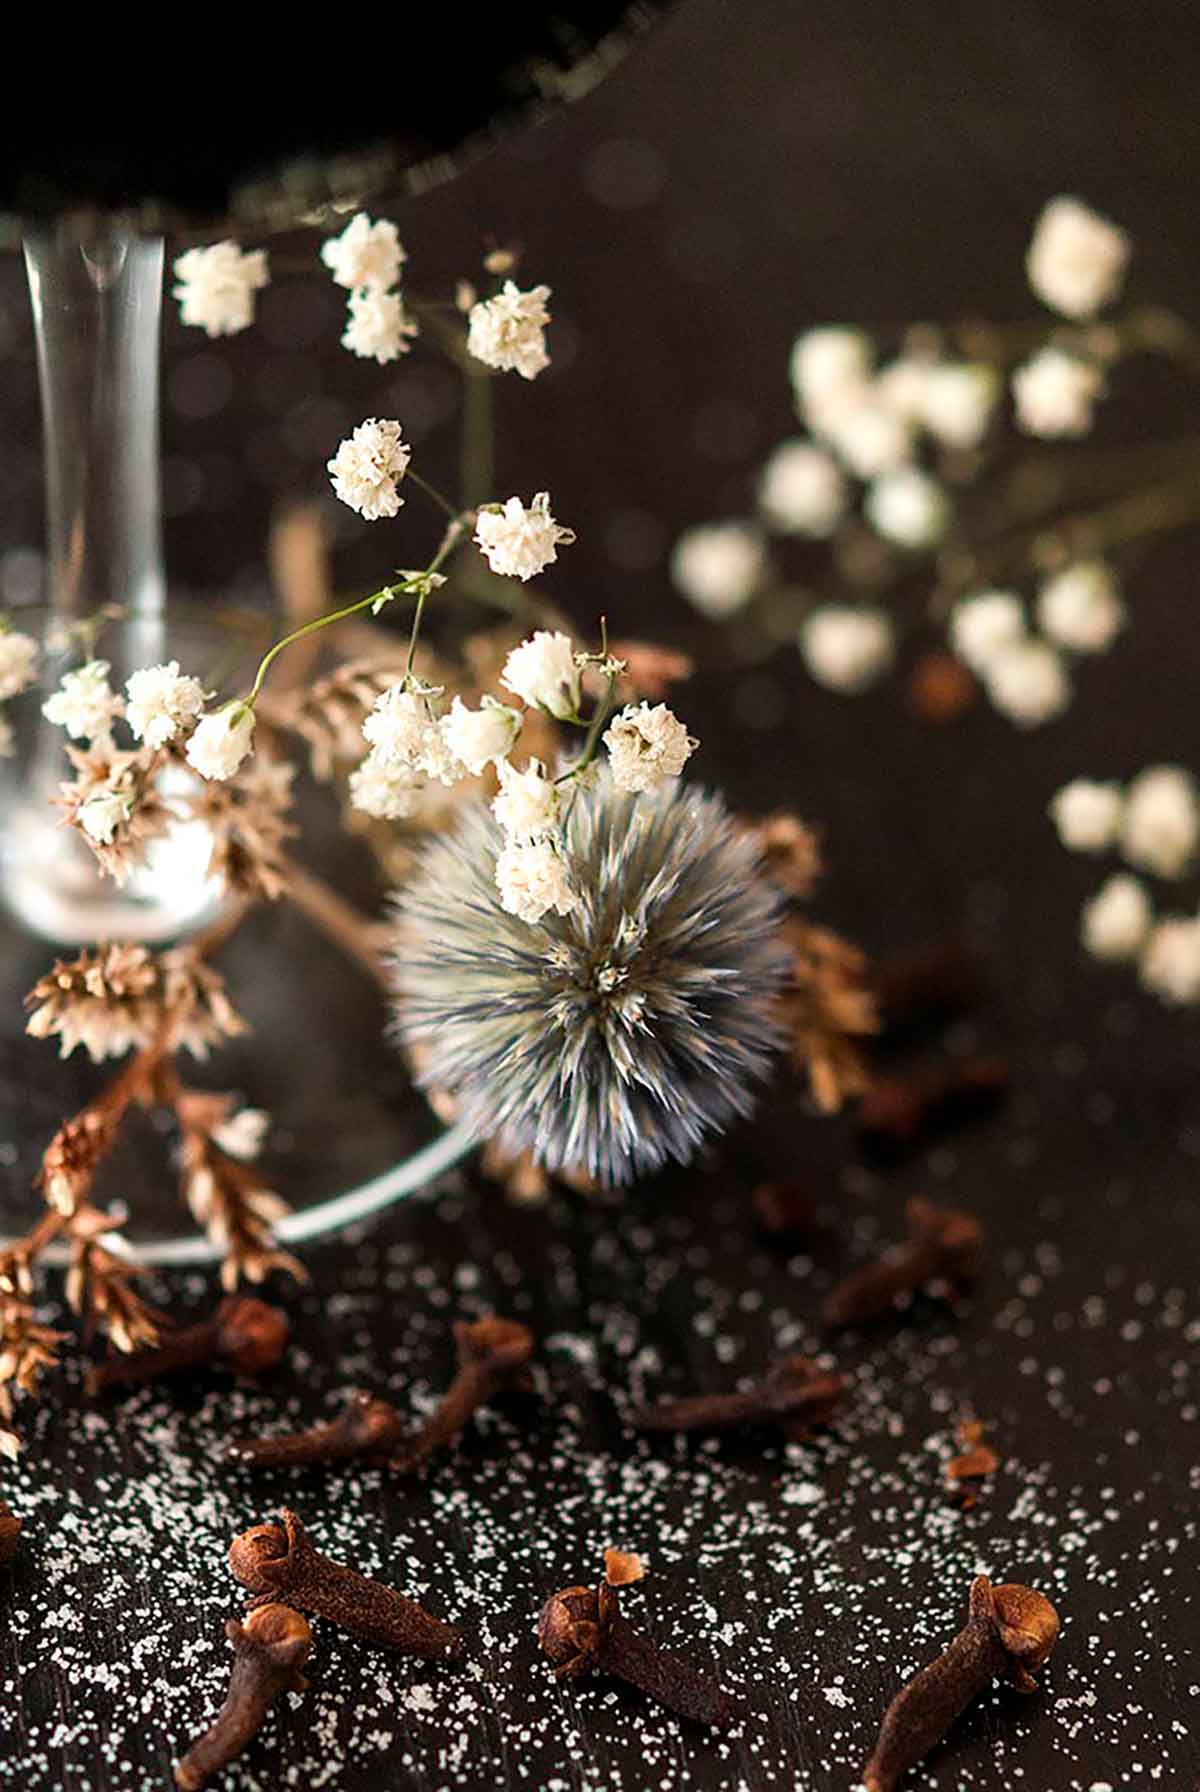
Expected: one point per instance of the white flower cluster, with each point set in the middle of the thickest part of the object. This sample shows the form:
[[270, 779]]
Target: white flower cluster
[[161, 705], [1154, 824], [412, 740], [846, 647], [519, 543], [217, 287], [366, 259], [368, 466], [508, 332], [1078, 611], [1076, 260], [18, 668]]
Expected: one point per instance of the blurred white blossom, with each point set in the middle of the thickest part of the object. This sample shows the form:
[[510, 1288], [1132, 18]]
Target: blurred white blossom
[[383, 788], [1080, 607], [1028, 682], [984, 625], [1116, 921], [483, 736], [221, 741], [847, 647], [1161, 826], [1170, 964], [84, 703], [378, 328], [908, 508], [1088, 815], [18, 662], [161, 701], [719, 566], [1055, 394], [802, 491], [543, 672], [365, 255], [1076, 260], [958, 400], [509, 331]]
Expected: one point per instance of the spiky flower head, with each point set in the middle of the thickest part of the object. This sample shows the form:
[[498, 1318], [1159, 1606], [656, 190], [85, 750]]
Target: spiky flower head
[[612, 1038]]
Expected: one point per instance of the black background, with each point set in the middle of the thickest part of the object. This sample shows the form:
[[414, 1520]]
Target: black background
[[795, 164]]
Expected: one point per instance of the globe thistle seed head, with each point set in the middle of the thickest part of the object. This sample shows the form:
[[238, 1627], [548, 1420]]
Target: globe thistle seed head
[[618, 1036]]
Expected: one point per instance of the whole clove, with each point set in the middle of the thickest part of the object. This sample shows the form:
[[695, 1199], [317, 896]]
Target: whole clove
[[975, 1461], [795, 1394], [897, 1112], [366, 1428], [269, 1652], [278, 1561], [944, 1246], [493, 1358], [10, 1533], [244, 1336], [785, 1210], [583, 1631], [1009, 1633]]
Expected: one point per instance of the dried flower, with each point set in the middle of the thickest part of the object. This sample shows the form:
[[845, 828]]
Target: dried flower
[[247, 820], [367, 468], [1080, 608], [847, 647], [161, 702], [802, 491], [828, 360], [868, 435], [908, 508], [18, 662], [384, 789], [532, 879], [1077, 259], [480, 737], [956, 402], [1028, 682], [508, 332], [646, 745], [1055, 394], [402, 730], [518, 543], [366, 256], [116, 802], [1161, 828], [527, 806], [378, 328], [986, 625], [1088, 815], [121, 997], [1170, 964], [1117, 920], [217, 287], [827, 1005], [221, 741], [99, 1285], [543, 672], [719, 566], [227, 1195], [622, 1033], [84, 703]]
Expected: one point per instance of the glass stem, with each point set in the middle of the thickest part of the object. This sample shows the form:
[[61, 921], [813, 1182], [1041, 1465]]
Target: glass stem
[[97, 303]]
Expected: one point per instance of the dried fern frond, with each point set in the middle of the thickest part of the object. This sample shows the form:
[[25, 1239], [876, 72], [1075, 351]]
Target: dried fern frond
[[826, 1008], [99, 1286], [125, 997]]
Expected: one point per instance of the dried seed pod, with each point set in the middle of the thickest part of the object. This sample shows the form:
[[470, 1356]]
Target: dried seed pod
[[278, 1561], [269, 1652], [795, 1394], [10, 1533]]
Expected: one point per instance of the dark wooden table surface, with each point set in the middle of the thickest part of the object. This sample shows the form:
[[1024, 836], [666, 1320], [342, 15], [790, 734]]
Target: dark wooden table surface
[[755, 169]]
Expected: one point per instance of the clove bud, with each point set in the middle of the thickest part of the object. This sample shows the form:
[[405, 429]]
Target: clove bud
[[278, 1561], [795, 1393], [10, 1533], [493, 1358], [269, 1652], [1010, 1631], [583, 1631], [944, 1245], [366, 1428], [244, 1335]]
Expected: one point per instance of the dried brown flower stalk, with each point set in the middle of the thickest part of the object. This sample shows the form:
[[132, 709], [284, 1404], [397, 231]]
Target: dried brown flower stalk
[[227, 1196], [249, 819], [118, 998], [103, 770], [99, 1286], [827, 1008]]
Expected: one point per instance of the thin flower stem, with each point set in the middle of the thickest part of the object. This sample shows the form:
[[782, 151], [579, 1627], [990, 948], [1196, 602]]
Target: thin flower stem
[[460, 522], [476, 470], [431, 491], [312, 628], [591, 743]]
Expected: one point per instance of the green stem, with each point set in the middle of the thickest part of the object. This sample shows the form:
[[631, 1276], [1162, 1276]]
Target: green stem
[[431, 491], [312, 628], [591, 741], [476, 463]]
